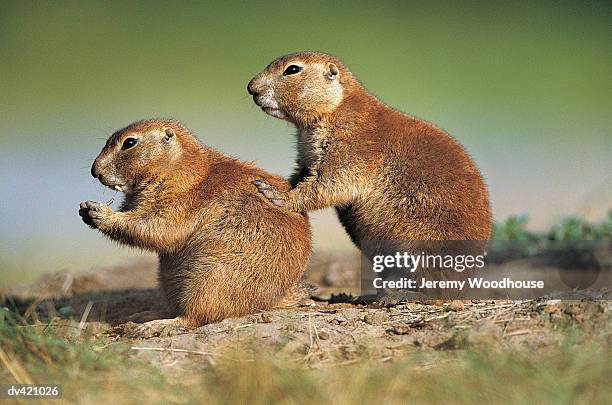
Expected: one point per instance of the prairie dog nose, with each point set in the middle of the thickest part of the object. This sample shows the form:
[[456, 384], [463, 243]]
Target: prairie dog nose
[[251, 88], [94, 169]]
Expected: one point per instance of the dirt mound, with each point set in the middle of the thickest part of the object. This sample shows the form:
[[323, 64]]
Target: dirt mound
[[333, 329]]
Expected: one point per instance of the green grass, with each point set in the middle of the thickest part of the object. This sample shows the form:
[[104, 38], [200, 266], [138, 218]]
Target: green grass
[[96, 371], [570, 228]]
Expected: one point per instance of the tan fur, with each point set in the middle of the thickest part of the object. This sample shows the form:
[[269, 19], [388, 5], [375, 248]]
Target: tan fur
[[390, 176], [223, 249]]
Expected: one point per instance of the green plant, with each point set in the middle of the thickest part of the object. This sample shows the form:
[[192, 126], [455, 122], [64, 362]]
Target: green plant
[[514, 228]]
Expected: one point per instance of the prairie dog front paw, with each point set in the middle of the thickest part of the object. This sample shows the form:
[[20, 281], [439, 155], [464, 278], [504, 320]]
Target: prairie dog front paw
[[95, 214], [276, 197]]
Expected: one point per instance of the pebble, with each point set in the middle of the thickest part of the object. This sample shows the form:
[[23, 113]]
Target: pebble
[[400, 330], [323, 335], [456, 305], [65, 311], [376, 318]]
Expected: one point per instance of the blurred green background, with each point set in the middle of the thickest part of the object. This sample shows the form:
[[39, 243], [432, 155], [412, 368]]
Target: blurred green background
[[525, 86]]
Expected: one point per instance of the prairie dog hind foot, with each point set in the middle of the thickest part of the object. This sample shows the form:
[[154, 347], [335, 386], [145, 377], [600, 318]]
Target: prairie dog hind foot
[[161, 328]]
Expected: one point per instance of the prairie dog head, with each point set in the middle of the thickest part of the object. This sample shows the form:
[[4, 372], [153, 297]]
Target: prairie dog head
[[138, 153], [301, 88]]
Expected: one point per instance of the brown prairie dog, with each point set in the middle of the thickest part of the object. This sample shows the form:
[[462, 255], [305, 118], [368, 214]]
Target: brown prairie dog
[[223, 249], [390, 176]]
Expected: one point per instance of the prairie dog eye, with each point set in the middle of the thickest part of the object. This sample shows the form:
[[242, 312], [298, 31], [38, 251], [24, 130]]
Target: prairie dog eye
[[128, 143], [292, 69]]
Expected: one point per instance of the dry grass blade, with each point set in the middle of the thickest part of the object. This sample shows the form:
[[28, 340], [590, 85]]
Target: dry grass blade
[[518, 332], [17, 371], [200, 353], [85, 315], [31, 308]]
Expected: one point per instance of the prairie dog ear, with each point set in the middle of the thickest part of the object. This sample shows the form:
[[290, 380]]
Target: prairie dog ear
[[169, 134], [332, 71]]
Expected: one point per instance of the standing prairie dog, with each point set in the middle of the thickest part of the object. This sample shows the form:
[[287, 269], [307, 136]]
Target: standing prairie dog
[[389, 175], [223, 249]]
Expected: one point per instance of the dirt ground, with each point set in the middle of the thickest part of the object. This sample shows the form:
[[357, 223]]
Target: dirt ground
[[332, 329]]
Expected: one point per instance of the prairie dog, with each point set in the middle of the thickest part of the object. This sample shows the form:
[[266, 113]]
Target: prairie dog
[[389, 175], [223, 250]]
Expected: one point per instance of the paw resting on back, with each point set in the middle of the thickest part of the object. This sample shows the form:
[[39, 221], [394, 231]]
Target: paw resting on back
[[276, 197]]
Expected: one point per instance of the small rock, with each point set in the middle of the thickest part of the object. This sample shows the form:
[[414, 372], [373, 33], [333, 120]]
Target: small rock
[[416, 322], [553, 306], [323, 335], [400, 329], [65, 311], [307, 302], [376, 318], [456, 305], [339, 320]]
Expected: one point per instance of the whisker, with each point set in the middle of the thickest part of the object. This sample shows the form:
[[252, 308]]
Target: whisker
[[112, 200]]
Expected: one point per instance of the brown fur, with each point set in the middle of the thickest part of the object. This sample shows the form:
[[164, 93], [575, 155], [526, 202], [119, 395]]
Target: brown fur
[[390, 176], [223, 249]]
